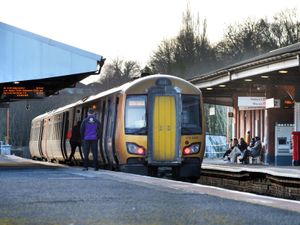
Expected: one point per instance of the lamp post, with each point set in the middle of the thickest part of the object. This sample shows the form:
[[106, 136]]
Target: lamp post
[[7, 126]]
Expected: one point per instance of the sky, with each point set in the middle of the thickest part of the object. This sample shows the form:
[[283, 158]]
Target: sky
[[129, 29]]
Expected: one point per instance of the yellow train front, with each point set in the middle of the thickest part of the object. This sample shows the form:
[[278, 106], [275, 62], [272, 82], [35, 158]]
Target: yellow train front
[[151, 122], [160, 124]]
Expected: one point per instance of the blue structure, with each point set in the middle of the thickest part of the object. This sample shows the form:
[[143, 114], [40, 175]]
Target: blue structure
[[25, 56], [215, 146]]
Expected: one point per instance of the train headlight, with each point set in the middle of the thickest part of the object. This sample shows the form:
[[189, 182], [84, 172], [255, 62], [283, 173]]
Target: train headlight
[[192, 149], [133, 148]]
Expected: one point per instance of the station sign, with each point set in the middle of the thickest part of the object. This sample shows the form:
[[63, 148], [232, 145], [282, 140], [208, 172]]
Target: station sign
[[272, 103], [251, 103], [22, 92]]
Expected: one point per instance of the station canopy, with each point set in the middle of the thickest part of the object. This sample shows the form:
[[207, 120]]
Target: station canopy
[[32, 66], [278, 68]]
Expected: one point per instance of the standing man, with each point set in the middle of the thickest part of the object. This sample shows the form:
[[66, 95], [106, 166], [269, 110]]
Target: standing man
[[75, 141], [90, 132]]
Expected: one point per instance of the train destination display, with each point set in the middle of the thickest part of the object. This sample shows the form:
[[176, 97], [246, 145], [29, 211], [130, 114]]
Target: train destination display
[[22, 92]]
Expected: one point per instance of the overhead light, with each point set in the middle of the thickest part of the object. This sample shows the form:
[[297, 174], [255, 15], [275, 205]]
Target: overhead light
[[222, 85], [16, 82], [209, 88], [264, 76], [248, 80], [283, 71]]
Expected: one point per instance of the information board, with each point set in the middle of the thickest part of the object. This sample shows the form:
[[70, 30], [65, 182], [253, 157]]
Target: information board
[[21, 92]]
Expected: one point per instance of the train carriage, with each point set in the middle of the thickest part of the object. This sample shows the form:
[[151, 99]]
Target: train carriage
[[148, 123]]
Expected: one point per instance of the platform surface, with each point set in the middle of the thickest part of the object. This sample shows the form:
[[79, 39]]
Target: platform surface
[[281, 171], [49, 193]]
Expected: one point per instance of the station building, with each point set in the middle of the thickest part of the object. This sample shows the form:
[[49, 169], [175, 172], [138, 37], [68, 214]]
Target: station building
[[264, 93]]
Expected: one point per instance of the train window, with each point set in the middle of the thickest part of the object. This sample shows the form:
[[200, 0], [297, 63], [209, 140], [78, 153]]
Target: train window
[[191, 115], [135, 115]]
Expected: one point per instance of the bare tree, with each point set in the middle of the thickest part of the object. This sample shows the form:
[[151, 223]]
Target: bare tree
[[251, 38], [119, 72], [162, 60], [285, 30], [188, 53]]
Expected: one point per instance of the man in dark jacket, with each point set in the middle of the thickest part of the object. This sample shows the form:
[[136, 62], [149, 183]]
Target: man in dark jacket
[[90, 132], [75, 141]]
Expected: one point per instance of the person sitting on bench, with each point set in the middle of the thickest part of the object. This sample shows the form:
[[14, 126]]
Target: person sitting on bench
[[252, 151], [232, 145]]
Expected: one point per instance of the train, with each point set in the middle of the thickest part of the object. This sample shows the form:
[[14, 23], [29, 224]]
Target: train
[[148, 124]]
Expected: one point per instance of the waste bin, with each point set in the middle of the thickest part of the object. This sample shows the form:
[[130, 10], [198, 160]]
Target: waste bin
[[296, 148]]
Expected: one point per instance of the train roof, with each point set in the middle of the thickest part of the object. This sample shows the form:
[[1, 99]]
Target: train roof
[[123, 88], [126, 86], [55, 111]]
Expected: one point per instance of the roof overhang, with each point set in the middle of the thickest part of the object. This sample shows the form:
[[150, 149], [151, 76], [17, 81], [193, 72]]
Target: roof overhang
[[251, 76], [30, 60]]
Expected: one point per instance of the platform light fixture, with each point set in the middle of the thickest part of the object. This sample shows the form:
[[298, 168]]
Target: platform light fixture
[[248, 80], [264, 76], [283, 71], [222, 85], [209, 88], [16, 82]]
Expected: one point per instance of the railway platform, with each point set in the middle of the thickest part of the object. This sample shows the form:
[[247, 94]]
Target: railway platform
[[67, 195], [278, 181], [16, 162]]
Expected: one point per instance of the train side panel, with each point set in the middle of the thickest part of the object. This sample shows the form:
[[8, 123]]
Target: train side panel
[[35, 136], [54, 140]]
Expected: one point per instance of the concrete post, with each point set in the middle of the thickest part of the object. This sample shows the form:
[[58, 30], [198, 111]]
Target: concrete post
[[297, 116], [297, 108], [266, 139], [7, 127]]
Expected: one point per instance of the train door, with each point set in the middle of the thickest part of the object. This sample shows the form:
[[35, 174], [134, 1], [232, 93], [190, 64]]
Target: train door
[[164, 128], [44, 139], [77, 118], [101, 119], [41, 131], [110, 131], [105, 133], [54, 141], [64, 134], [67, 126], [164, 125]]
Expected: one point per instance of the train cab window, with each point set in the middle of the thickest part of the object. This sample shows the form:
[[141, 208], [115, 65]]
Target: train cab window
[[191, 115], [135, 115]]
